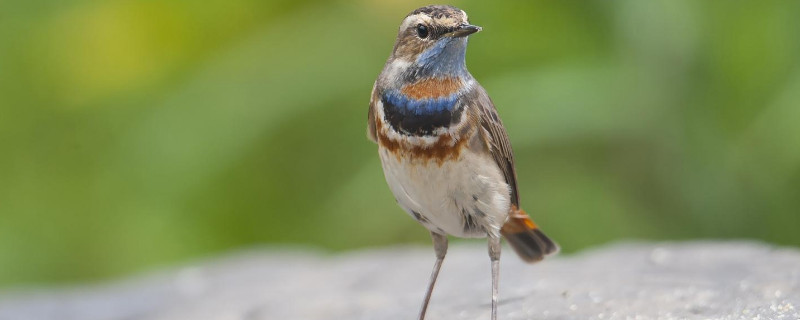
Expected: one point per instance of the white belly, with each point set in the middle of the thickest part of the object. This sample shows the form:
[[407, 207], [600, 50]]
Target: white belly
[[467, 197]]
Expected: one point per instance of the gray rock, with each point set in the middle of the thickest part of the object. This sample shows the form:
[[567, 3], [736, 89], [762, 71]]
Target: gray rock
[[697, 280]]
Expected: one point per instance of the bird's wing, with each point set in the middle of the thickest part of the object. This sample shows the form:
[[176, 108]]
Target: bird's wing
[[497, 139], [371, 134]]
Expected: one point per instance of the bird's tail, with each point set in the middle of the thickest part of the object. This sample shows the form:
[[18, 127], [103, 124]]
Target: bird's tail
[[530, 243]]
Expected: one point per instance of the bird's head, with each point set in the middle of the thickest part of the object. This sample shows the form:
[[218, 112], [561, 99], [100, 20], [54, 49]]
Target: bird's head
[[432, 42]]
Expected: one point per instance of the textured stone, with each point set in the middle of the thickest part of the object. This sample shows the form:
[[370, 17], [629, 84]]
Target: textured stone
[[695, 280]]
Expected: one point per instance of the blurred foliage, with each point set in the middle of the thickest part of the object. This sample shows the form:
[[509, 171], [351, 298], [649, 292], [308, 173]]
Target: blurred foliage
[[141, 133]]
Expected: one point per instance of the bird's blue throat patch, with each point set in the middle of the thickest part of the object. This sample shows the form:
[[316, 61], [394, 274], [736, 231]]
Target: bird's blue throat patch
[[445, 58], [420, 117]]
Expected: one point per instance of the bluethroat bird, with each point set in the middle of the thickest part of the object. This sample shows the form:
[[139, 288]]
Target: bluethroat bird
[[445, 153]]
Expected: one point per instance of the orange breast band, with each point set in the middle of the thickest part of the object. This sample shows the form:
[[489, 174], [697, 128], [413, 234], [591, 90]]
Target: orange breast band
[[432, 88]]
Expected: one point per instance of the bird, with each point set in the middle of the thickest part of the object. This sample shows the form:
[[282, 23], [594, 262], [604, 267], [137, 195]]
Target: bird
[[445, 153]]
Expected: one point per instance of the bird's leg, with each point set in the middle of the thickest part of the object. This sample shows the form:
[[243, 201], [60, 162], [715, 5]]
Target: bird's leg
[[440, 247], [494, 255]]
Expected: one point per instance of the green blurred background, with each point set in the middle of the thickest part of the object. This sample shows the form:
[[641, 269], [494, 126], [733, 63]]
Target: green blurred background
[[138, 134]]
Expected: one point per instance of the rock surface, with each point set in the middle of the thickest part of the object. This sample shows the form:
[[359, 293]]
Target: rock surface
[[695, 280]]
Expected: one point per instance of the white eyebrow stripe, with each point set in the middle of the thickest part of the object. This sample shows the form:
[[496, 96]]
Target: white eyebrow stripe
[[413, 19]]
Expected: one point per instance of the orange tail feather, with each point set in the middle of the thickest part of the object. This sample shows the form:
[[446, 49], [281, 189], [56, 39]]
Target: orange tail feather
[[530, 243]]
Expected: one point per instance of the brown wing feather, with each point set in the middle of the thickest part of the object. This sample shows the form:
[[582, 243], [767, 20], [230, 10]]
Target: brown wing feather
[[371, 134], [499, 145], [530, 243]]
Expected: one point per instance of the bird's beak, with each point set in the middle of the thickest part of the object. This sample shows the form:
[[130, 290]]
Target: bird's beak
[[464, 30]]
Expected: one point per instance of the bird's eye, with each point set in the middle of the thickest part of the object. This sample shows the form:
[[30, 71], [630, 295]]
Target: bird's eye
[[422, 31]]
